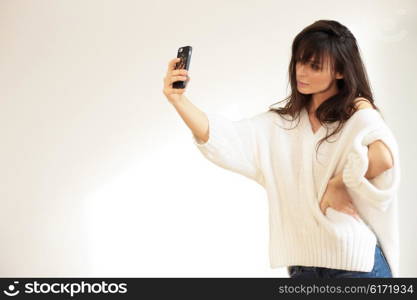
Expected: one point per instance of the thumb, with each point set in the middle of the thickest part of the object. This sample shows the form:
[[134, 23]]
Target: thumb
[[323, 206]]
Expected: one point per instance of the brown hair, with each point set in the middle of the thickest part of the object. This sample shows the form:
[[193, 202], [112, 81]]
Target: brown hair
[[332, 39]]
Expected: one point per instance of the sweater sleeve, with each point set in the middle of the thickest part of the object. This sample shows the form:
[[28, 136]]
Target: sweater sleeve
[[378, 191], [232, 146]]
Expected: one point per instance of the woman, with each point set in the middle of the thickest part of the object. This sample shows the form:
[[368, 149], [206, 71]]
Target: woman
[[333, 202]]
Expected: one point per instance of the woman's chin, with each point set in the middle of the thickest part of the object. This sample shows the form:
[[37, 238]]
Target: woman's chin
[[303, 91]]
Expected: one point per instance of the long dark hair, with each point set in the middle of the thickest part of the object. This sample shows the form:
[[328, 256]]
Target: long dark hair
[[334, 40]]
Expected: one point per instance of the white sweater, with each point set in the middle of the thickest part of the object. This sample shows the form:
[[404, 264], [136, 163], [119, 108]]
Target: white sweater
[[284, 163]]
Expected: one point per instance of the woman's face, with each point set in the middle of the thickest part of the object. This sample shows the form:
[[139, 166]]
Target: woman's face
[[314, 79]]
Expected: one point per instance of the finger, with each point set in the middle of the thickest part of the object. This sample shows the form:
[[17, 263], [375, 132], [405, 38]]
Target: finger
[[355, 214], [346, 211], [172, 63], [182, 72], [352, 212], [178, 78], [176, 91], [350, 205], [323, 207]]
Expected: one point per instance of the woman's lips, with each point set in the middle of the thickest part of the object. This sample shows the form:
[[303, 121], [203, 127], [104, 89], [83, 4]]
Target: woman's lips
[[302, 83]]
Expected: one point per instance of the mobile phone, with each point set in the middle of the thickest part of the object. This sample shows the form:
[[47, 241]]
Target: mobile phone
[[184, 53]]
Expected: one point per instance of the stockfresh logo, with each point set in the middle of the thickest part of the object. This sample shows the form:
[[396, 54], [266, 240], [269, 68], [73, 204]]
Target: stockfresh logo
[[12, 291]]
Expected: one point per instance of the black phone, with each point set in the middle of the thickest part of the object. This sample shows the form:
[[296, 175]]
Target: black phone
[[184, 53]]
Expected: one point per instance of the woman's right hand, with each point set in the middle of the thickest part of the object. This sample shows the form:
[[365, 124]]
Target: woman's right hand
[[173, 75]]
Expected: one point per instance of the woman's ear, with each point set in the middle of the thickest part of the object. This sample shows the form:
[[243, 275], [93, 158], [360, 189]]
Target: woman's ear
[[339, 76]]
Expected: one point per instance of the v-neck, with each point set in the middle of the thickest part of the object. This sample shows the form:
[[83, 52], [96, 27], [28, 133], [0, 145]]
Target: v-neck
[[310, 126]]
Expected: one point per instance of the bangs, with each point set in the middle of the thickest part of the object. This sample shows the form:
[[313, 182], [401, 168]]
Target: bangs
[[314, 50]]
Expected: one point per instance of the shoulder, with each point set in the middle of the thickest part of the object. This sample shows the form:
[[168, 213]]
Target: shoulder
[[365, 114], [363, 108], [266, 123], [262, 118], [361, 103]]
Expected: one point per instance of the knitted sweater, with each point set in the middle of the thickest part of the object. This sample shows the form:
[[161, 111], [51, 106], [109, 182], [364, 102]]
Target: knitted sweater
[[281, 157]]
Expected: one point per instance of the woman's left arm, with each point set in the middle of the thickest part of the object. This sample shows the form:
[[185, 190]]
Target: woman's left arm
[[380, 160], [372, 169]]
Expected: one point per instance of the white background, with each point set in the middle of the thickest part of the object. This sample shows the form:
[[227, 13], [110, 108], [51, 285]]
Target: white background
[[99, 175]]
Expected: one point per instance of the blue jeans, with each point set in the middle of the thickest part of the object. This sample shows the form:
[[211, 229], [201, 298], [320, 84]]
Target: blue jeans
[[381, 269]]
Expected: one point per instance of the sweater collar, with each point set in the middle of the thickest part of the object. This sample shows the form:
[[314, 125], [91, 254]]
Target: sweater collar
[[308, 127]]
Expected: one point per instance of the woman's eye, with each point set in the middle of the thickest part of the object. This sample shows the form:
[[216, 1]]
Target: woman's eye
[[315, 67]]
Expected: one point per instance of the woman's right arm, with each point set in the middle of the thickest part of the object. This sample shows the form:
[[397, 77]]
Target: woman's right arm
[[228, 144], [193, 117]]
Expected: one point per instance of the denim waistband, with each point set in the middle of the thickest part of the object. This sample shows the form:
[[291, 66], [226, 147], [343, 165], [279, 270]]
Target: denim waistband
[[289, 268]]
